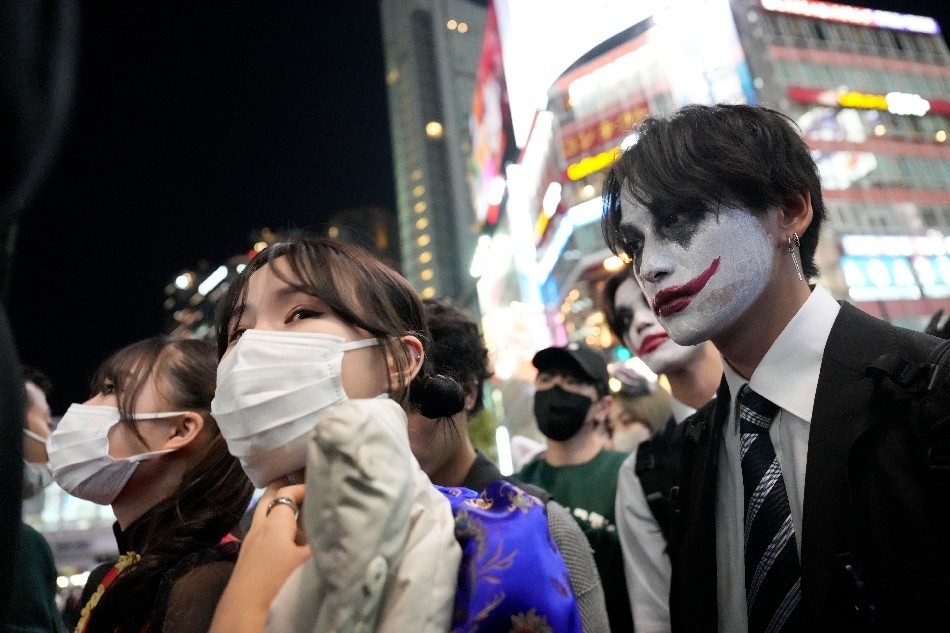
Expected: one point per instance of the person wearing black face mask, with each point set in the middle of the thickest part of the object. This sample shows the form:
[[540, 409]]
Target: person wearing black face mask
[[571, 404]]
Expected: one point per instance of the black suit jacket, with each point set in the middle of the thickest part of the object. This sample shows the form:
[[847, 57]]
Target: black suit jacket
[[874, 549]]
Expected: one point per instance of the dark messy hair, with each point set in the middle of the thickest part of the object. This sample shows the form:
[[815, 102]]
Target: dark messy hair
[[38, 378], [213, 495], [364, 292], [458, 349], [703, 155], [617, 321]]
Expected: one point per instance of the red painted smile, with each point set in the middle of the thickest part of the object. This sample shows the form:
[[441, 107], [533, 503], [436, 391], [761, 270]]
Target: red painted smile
[[676, 298], [652, 342]]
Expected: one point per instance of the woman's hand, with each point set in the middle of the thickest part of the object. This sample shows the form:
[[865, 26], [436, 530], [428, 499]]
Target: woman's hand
[[269, 554]]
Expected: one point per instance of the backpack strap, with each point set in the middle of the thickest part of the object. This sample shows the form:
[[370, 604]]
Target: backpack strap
[[653, 471], [926, 386], [686, 437]]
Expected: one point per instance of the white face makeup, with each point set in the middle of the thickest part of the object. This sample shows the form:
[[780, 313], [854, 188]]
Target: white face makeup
[[700, 274], [645, 337]]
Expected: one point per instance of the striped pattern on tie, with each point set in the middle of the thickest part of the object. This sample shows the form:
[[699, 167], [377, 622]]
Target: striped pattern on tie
[[772, 569]]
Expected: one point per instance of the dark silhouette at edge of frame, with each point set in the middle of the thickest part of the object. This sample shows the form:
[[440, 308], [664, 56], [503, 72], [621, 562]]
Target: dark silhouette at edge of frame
[[37, 62]]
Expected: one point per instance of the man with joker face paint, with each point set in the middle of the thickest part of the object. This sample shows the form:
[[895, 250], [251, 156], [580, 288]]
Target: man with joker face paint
[[693, 373], [718, 209]]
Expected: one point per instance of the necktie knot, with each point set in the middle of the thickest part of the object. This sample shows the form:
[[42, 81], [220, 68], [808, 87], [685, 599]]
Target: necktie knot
[[755, 412]]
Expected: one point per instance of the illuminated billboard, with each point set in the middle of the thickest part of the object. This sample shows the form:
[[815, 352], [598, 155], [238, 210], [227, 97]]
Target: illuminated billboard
[[900, 103], [854, 15], [540, 39], [880, 267], [489, 125]]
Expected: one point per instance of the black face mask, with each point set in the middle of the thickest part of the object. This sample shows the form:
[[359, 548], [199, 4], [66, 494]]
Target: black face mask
[[560, 413]]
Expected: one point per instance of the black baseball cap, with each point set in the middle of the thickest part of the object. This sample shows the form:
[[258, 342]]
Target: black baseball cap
[[589, 360]]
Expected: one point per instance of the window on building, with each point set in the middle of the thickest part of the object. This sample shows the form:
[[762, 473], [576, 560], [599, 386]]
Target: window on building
[[910, 41], [882, 39], [797, 30], [862, 36], [944, 166], [772, 24]]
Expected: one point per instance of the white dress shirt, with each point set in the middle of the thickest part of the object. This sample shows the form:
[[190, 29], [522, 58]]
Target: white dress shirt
[[646, 564], [788, 377]]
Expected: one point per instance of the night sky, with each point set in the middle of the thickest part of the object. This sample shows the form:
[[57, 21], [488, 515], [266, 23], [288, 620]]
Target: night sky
[[194, 125]]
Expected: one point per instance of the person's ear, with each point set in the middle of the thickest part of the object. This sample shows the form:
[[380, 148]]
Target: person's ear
[[602, 407], [411, 349], [471, 395], [184, 430], [796, 214]]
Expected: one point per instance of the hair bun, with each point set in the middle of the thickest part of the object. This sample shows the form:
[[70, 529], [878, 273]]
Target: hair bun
[[439, 396]]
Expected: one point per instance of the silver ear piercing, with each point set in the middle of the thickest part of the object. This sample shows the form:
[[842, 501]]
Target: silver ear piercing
[[794, 243]]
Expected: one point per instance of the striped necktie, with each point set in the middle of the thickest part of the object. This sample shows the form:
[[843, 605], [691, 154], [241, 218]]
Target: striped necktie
[[772, 570]]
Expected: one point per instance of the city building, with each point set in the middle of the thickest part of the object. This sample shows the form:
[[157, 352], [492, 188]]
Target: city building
[[431, 50]]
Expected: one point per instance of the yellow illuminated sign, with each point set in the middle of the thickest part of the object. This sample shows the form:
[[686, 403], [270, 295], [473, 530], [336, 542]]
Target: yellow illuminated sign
[[862, 100], [894, 102], [541, 225], [592, 164]]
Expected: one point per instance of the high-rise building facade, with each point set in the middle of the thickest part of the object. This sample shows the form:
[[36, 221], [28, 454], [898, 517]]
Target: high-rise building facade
[[432, 49], [871, 93]]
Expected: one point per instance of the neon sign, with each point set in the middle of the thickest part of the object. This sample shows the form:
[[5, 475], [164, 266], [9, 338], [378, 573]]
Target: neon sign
[[592, 164], [893, 102], [902, 103], [854, 15], [879, 267]]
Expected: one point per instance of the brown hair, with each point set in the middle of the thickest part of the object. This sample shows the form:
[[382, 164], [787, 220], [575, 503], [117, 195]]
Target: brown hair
[[651, 406], [364, 292], [214, 492], [617, 321], [458, 348]]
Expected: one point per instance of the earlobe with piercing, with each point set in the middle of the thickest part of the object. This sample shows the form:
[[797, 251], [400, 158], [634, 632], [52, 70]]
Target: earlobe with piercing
[[794, 243]]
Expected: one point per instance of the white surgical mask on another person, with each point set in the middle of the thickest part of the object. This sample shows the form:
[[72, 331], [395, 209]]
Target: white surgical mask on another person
[[79, 453], [36, 478]]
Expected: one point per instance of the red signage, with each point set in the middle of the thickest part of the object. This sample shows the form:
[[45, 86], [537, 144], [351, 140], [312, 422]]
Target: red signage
[[595, 135]]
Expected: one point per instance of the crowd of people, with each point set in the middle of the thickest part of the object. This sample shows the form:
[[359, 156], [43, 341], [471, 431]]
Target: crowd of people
[[780, 484]]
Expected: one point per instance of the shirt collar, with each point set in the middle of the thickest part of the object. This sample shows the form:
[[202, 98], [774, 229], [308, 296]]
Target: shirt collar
[[681, 411], [788, 373]]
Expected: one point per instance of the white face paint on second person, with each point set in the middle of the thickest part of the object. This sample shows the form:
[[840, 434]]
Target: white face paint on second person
[[700, 274], [645, 337]]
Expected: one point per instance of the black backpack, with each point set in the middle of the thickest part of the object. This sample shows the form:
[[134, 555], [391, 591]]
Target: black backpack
[[657, 470], [927, 387]]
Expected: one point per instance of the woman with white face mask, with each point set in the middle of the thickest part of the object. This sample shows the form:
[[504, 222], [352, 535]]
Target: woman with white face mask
[[323, 352], [145, 442]]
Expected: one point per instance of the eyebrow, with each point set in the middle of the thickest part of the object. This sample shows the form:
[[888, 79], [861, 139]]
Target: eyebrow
[[627, 229]]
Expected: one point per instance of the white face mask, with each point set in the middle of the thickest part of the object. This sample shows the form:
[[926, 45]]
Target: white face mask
[[36, 477], [273, 387], [79, 453]]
